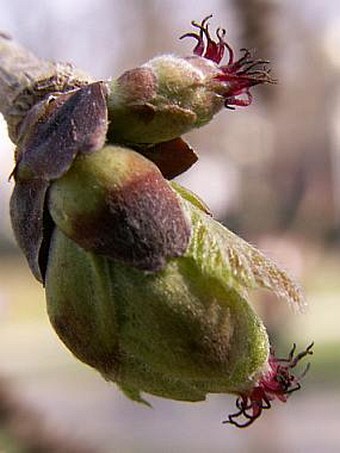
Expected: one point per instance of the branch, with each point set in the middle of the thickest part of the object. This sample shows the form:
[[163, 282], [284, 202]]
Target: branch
[[28, 430], [26, 79]]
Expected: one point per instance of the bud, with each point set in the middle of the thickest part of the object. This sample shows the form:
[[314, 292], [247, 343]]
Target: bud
[[116, 202], [141, 282], [169, 95], [181, 333], [177, 334]]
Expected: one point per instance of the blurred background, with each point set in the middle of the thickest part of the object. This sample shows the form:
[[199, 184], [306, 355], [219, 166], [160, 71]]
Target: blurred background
[[270, 172]]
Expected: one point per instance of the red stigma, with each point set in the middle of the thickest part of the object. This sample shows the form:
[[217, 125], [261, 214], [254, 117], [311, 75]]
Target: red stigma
[[240, 75], [276, 383]]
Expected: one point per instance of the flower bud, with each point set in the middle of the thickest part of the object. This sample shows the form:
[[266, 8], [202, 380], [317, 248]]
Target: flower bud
[[141, 282], [170, 95], [181, 333], [115, 202], [178, 333]]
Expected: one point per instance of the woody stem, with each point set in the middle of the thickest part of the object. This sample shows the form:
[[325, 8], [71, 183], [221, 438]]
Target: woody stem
[[25, 79]]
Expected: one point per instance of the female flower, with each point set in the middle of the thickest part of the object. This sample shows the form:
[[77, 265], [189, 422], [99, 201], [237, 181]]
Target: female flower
[[141, 282]]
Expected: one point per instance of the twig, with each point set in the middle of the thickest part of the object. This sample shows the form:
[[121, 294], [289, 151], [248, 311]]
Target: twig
[[28, 429], [25, 80]]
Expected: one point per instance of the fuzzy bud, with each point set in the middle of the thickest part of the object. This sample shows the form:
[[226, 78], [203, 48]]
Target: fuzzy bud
[[181, 333], [170, 95], [115, 202], [141, 282]]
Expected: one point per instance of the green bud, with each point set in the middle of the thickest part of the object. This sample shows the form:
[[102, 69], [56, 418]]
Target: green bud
[[116, 202], [170, 95], [181, 333], [159, 101], [141, 282]]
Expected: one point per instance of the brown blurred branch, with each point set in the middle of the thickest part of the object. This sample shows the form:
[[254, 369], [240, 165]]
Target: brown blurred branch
[[27, 429], [25, 80], [257, 20]]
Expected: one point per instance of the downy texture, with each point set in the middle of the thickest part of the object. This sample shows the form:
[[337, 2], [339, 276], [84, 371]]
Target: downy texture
[[141, 282]]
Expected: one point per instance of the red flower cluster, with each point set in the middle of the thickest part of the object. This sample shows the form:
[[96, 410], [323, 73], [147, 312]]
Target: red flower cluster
[[240, 75], [277, 382]]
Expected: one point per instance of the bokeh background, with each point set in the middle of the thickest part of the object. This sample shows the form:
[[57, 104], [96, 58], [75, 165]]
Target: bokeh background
[[270, 172]]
